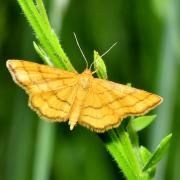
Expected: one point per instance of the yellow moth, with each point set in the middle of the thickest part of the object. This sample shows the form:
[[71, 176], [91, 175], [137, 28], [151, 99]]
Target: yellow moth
[[59, 95]]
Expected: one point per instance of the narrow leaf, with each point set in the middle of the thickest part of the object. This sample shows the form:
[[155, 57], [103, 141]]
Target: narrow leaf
[[42, 12], [42, 54], [100, 66], [159, 153], [45, 34], [145, 154], [142, 122], [116, 149]]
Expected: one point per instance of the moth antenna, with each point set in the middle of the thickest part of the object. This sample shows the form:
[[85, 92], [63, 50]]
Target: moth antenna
[[102, 55], [81, 50], [108, 50]]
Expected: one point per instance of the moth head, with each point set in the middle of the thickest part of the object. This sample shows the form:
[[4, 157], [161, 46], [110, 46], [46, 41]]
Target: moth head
[[84, 79], [87, 72]]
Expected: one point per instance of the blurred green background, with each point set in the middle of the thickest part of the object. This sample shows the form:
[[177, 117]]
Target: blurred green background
[[147, 55]]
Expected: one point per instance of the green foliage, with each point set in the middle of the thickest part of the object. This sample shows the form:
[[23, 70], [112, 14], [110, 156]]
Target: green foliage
[[119, 146], [159, 153], [42, 54], [145, 155], [46, 36], [142, 122], [136, 162]]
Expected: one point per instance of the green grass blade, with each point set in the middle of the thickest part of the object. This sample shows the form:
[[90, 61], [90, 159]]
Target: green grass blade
[[159, 153], [43, 151], [42, 12], [145, 154], [42, 54], [46, 37]]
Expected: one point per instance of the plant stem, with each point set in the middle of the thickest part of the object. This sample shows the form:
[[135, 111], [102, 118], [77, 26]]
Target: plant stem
[[45, 35], [43, 151]]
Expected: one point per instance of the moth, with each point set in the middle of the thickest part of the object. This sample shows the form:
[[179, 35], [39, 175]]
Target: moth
[[59, 95]]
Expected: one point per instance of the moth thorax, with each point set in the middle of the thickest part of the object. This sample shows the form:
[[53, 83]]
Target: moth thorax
[[84, 82]]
